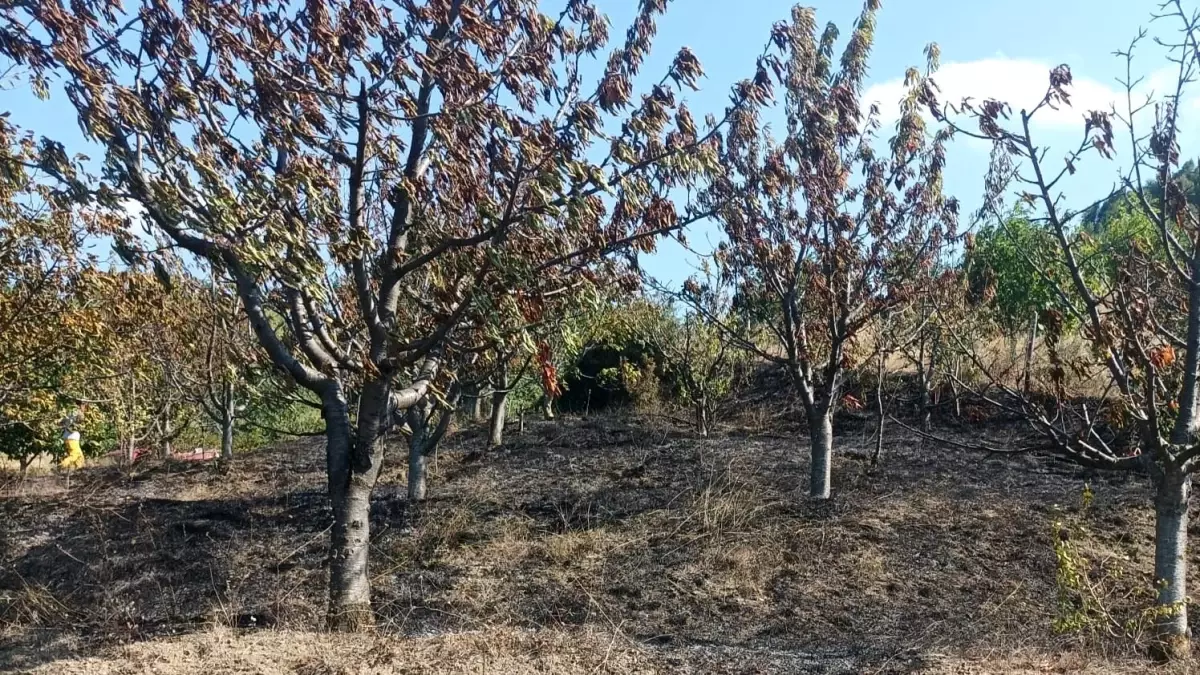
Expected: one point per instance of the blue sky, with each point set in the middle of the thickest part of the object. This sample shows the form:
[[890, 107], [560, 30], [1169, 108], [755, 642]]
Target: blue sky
[[998, 48]]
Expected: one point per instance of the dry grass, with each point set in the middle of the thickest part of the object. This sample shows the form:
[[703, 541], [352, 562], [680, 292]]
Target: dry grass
[[11, 469], [514, 652], [602, 545], [1004, 360], [280, 652], [725, 503]]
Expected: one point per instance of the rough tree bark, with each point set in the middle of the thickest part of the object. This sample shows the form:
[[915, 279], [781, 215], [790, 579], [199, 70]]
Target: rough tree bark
[[820, 431], [416, 468], [499, 406], [425, 436], [1170, 562], [353, 461], [1173, 494], [418, 424]]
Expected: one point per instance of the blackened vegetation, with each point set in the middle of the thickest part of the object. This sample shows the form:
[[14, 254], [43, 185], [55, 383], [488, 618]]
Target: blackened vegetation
[[584, 523]]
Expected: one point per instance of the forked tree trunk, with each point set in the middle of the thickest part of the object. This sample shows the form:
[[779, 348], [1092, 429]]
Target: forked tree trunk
[[820, 430], [353, 461], [499, 406], [424, 439], [1172, 495]]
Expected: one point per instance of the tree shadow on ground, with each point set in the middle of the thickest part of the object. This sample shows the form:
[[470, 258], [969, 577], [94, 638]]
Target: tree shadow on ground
[[628, 525]]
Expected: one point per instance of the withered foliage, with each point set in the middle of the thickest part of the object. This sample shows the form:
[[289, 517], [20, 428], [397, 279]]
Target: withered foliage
[[825, 232]]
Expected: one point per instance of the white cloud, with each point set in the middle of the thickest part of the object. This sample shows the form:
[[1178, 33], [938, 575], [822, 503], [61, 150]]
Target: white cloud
[[1022, 84]]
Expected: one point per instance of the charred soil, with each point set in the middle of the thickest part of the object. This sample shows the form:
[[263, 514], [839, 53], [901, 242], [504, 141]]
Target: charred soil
[[618, 543]]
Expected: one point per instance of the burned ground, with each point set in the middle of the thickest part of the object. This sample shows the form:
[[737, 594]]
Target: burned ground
[[618, 543]]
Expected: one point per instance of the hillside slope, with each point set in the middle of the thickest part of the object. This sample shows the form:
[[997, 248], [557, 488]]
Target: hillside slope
[[614, 544]]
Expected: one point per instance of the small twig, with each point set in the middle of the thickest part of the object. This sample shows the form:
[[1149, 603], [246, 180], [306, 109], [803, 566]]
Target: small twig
[[68, 554]]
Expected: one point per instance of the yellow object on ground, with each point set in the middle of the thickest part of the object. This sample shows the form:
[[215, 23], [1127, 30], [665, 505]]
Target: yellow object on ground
[[74, 458]]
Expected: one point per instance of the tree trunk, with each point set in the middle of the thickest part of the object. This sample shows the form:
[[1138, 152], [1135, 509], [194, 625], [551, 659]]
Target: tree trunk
[[416, 473], [499, 405], [474, 394], [820, 430], [922, 377], [167, 432], [930, 383], [353, 462], [547, 407], [702, 417], [228, 415], [954, 386], [227, 437], [417, 446], [1027, 386], [1172, 494], [878, 453]]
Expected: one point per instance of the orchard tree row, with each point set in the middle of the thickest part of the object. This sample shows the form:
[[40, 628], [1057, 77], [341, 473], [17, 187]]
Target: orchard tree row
[[392, 213]]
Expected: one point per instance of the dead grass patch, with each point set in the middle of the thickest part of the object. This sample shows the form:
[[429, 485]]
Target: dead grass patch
[[723, 502], [583, 549], [586, 546]]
